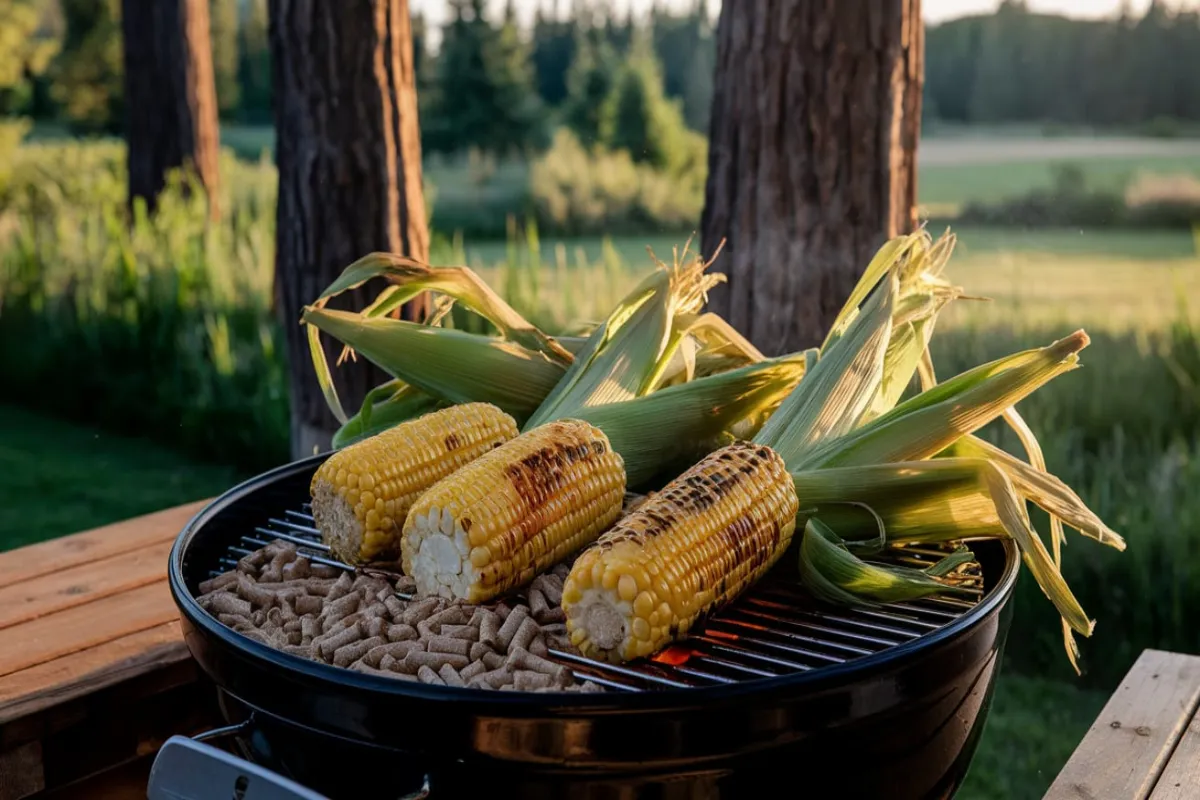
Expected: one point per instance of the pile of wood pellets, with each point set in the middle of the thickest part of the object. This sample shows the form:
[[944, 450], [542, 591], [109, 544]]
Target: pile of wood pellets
[[279, 597]]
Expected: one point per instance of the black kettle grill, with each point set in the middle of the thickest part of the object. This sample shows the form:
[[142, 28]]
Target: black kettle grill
[[775, 696]]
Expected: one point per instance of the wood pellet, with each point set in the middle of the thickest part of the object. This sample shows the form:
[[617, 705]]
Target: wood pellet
[[281, 598]]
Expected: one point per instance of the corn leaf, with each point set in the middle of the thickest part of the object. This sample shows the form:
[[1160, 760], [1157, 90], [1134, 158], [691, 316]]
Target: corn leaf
[[921, 502], [410, 277], [381, 411], [621, 357], [687, 420], [1042, 488], [927, 501], [840, 388], [324, 376], [466, 367], [692, 334], [834, 574], [936, 418], [593, 362], [1057, 537], [884, 261]]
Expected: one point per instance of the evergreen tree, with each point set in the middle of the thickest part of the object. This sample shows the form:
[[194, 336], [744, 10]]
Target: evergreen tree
[[553, 51], [485, 95], [24, 53], [999, 92], [254, 63], [88, 72], [224, 35], [698, 83], [590, 81], [518, 108], [637, 117]]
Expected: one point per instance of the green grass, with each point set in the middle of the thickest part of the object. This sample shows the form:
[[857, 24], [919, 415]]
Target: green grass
[[947, 187], [1032, 729], [61, 478]]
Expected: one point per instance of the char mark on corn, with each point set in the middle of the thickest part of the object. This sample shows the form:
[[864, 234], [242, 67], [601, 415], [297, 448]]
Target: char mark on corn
[[684, 553], [514, 512], [362, 493]]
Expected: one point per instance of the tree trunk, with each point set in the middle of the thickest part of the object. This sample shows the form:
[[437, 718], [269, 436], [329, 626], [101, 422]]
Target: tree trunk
[[812, 156], [170, 98], [349, 156]]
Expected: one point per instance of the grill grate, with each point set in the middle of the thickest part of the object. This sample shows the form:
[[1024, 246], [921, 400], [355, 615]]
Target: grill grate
[[774, 629]]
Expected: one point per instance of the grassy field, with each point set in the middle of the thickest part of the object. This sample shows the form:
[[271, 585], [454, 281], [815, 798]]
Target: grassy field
[[954, 169], [1032, 729], [61, 478]]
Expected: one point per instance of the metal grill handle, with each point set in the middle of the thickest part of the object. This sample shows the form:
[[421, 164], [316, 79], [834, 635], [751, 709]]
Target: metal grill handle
[[186, 769], [190, 769]]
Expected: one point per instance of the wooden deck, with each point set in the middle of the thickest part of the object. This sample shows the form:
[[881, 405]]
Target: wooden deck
[[1145, 745], [94, 674], [94, 677]]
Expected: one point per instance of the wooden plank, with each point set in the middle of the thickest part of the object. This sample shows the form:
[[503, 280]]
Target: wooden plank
[[1128, 745], [1180, 780], [126, 782], [44, 685], [115, 728], [86, 583], [121, 537], [21, 772], [75, 629]]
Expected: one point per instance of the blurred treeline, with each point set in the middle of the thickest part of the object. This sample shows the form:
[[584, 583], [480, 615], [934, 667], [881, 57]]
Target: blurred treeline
[[628, 83]]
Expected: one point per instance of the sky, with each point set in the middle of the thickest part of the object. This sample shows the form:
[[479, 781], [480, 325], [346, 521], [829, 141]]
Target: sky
[[933, 10]]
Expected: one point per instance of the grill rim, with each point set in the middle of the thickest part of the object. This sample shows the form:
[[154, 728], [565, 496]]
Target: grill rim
[[666, 699]]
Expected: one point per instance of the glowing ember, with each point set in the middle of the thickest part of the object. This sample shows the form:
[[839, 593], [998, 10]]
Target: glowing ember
[[673, 656]]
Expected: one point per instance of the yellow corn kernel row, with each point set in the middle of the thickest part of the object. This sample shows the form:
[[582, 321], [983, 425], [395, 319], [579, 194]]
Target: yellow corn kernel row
[[362, 493], [682, 554], [516, 511]]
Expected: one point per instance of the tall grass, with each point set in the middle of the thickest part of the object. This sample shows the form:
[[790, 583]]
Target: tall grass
[[158, 326], [164, 328]]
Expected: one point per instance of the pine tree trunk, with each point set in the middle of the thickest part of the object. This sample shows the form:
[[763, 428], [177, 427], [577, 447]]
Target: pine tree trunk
[[170, 98], [349, 156], [812, 157]]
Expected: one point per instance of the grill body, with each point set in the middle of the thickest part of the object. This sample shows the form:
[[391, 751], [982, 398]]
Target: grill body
[[902, 722]]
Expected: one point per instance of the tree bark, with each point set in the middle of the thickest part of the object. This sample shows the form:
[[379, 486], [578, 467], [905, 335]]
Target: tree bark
[[812, 156], [170, 97], [349, 156]]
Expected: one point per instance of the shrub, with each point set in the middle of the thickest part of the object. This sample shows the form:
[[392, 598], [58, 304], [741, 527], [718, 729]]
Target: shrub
[[1149, 202], [576, 191], [158, 326]]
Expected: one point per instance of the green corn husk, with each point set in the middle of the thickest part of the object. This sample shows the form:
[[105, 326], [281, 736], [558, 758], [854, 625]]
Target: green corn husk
[[945, 500], [385, 406], [835, 575], [410, 278], [450, 365], [841, 386], [626, 352], [687, 421], [933, 420], [873, 472]]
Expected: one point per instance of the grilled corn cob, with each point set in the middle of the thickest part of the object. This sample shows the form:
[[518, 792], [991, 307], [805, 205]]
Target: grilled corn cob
[[682, 554], [514, 512], [361, 494]]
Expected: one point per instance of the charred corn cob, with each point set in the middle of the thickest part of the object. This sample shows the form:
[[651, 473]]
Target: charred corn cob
[[361, 494], [495, 524], [682, 554]]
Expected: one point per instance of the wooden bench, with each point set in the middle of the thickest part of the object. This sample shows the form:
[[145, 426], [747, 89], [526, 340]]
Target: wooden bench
[[1145, 745], [94, 674]]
